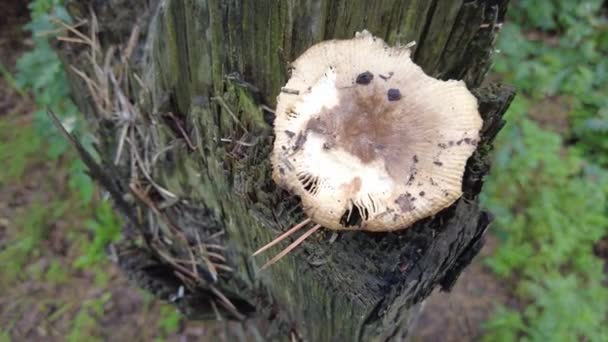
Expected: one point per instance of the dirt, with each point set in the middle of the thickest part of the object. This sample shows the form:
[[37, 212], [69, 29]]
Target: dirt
[[552, 113], [601, 250], [13, 39], [459, 315], [32, 309]]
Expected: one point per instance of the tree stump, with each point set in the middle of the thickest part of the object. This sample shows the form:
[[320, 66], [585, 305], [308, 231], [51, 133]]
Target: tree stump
[[180, 97]]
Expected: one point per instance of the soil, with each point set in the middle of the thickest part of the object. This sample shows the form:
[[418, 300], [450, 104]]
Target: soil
[[13, 39], [601, 250], [552, 113], [459, 315]]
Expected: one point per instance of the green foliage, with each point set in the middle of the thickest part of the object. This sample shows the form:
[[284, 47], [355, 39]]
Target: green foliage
[[85, 326], [559, 47], [32, 142], [506, 325], [104, 229], [33, 228], [56, 273], [170, 319], [550, 191], [41, 72], [20, 153]]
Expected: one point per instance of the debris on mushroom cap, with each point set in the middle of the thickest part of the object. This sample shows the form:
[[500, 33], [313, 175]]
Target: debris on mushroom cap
[[367, 139]]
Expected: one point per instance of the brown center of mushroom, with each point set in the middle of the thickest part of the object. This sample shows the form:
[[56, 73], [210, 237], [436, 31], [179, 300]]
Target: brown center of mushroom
[[360, 125], [366, 124]]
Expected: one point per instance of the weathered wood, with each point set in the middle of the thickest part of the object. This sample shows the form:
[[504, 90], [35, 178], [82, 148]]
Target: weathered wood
[[213, 64]]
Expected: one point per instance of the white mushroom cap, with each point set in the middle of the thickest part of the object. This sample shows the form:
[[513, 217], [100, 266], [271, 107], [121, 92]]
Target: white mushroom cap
[[367, 139]]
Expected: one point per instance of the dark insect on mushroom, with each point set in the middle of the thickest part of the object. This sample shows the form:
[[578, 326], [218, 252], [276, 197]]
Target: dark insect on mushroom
[[393, 94], [352, 152], [364, 78]]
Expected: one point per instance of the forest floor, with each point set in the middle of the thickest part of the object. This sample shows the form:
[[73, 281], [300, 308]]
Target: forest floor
[[48, 298], [459, 315], [43, 295]]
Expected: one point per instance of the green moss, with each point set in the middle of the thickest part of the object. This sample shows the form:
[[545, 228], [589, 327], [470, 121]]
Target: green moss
[[217, 46], [193, 54], [437, 36], [167, 51], [249, 110]]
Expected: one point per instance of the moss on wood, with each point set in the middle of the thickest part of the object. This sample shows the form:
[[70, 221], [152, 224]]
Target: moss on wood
[[213, 64]]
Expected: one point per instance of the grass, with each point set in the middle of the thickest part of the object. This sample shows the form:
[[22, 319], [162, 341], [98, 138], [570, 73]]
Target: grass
[[549, 185], [18, 133], [32, 230], [55, 272]]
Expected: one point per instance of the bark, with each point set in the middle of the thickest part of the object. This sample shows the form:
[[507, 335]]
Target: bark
[[189, 166]]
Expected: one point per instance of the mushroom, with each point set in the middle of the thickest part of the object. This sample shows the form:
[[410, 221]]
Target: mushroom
[[367, 140]]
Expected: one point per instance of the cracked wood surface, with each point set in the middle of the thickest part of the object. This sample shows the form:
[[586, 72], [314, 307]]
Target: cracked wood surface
[[217, 67]]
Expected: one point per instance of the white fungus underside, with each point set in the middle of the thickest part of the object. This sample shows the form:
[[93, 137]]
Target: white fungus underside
[[450, 115]]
